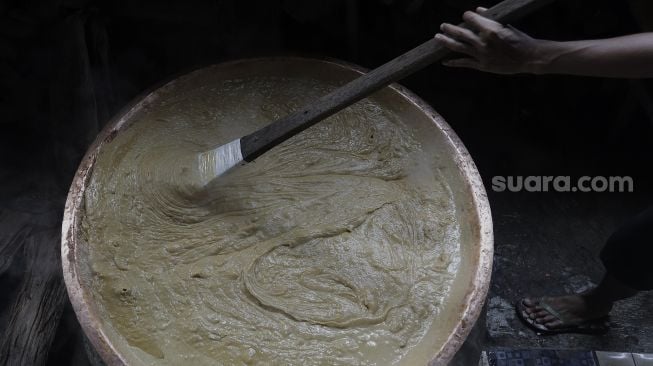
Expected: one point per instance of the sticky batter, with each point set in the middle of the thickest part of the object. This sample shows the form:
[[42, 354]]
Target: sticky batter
[[337, 247]]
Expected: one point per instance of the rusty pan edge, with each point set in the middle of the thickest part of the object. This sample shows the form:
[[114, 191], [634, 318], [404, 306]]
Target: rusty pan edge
[[92, 324]]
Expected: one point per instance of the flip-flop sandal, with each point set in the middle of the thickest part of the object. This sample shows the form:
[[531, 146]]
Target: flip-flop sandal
[[595, 326]]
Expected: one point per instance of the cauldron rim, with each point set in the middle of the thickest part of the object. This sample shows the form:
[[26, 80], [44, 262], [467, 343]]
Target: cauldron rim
[[92, 323]]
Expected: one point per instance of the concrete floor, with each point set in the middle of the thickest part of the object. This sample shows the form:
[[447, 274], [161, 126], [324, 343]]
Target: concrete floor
[[548, 244]]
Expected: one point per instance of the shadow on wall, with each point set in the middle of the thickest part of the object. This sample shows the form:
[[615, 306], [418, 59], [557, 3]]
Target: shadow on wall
[[67, 66]]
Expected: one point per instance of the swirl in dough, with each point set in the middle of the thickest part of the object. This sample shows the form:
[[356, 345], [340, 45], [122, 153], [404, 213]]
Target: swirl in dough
[[326, 250]]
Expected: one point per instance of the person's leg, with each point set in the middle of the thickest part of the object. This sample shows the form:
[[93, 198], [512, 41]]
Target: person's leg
[[628, 252], [581, 308], [626, 257]]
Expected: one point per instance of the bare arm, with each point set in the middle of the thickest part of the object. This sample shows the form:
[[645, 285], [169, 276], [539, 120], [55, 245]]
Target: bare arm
[[493, 47]]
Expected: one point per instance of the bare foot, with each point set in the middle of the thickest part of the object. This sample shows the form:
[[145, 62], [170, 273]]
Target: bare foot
[[571, 310]]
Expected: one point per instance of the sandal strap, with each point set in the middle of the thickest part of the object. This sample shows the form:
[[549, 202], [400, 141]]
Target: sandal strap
[[554, 312]]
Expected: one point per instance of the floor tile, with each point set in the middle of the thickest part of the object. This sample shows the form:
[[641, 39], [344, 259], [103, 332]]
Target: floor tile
[[539, 357], [483, 361], [615, 359], [643, 359]]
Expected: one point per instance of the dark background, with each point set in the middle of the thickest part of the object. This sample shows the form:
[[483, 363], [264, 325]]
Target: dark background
[[67, 66]]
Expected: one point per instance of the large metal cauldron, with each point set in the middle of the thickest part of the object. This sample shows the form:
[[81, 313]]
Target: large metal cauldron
[[464, 303]]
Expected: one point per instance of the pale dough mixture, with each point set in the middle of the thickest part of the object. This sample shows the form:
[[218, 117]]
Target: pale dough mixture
[[336, 248]]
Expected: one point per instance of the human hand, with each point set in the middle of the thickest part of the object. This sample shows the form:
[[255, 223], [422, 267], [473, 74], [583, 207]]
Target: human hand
[[490, 46]]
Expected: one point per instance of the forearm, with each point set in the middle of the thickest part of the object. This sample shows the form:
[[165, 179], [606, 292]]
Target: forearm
[[621, 57]]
